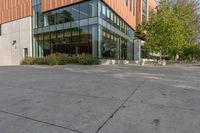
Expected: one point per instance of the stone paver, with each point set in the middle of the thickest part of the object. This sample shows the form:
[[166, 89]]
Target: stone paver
[[102, 99]]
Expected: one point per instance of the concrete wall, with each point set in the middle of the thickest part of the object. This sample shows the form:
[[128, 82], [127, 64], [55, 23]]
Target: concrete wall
[[19, 31]]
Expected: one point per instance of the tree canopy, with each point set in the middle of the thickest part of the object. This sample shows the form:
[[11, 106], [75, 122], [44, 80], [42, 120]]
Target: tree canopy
[[173, 27]]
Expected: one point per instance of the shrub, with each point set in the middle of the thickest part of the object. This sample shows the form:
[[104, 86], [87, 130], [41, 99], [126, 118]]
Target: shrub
[[33, 61], [57, 59], [38, 61], [27, 61], [61, 59], [88, 60]]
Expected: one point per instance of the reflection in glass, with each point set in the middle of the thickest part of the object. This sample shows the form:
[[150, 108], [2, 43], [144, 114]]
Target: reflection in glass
[[75, 12], [109, 45], [93, 9], [51, 18], [47, 45], [84, 10], [40, 46], [82, 37], [60, 16], [67, 15]]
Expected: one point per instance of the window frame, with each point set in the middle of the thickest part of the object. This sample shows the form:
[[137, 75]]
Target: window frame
[[0, 29]]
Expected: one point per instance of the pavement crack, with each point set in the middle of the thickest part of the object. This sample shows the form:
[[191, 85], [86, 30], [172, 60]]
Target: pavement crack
[[40, 121], [121, 106]]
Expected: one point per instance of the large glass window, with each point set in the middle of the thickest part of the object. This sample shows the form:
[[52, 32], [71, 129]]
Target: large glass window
[[84, 34], [60, 37], [115, 19], [67, 41], [36, 2], [75, 35], [93, 9], [93, 39], [109, 44], [40, 17], [60, 16], [59, 46], [36, 46], [111, 17], [53, 42], [47, 44], [144, 9], [75, 12], [67, 14], [84, 47], [67, 36], [80, 38], [51, 18], [84, 10], [103, 10], [40, 45], [35, 17], [124, 49], [108, 13]]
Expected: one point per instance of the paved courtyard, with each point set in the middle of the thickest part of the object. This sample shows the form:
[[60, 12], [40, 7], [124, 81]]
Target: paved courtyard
[[99, 99]]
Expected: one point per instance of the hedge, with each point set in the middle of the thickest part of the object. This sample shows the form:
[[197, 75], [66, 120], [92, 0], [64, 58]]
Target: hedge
[[61, 59]]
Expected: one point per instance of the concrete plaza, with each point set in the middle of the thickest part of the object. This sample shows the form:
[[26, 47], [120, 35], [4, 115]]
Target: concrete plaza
[[99, 99]]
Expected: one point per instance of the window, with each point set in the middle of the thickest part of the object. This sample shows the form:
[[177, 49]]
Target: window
[[35, 18], [93, 9], [75, 12], [47, 44], [84, 10], [51, 18], [25, 52], [131, 4], [112, 16], [40, 17], [60, 16], [36, 2], [134, 7], [75, 35], [0, 30], [67, 36], [84, 35], [115, 19], [108, 13], [144, 9], [103, 11], [67, 15], [64, 15], [126, 2]]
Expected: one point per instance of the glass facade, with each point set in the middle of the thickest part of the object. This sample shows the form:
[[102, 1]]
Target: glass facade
[[88, 27], [144, 10]]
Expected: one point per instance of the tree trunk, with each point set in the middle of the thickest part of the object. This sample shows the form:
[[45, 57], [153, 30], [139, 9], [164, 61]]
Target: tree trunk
[[175, 59], [160, 55]]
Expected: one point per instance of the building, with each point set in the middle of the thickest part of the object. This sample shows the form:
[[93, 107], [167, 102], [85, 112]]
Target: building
[[102, 28]]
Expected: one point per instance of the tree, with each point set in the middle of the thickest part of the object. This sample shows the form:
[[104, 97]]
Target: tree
[[140, 33], [172, 28]]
